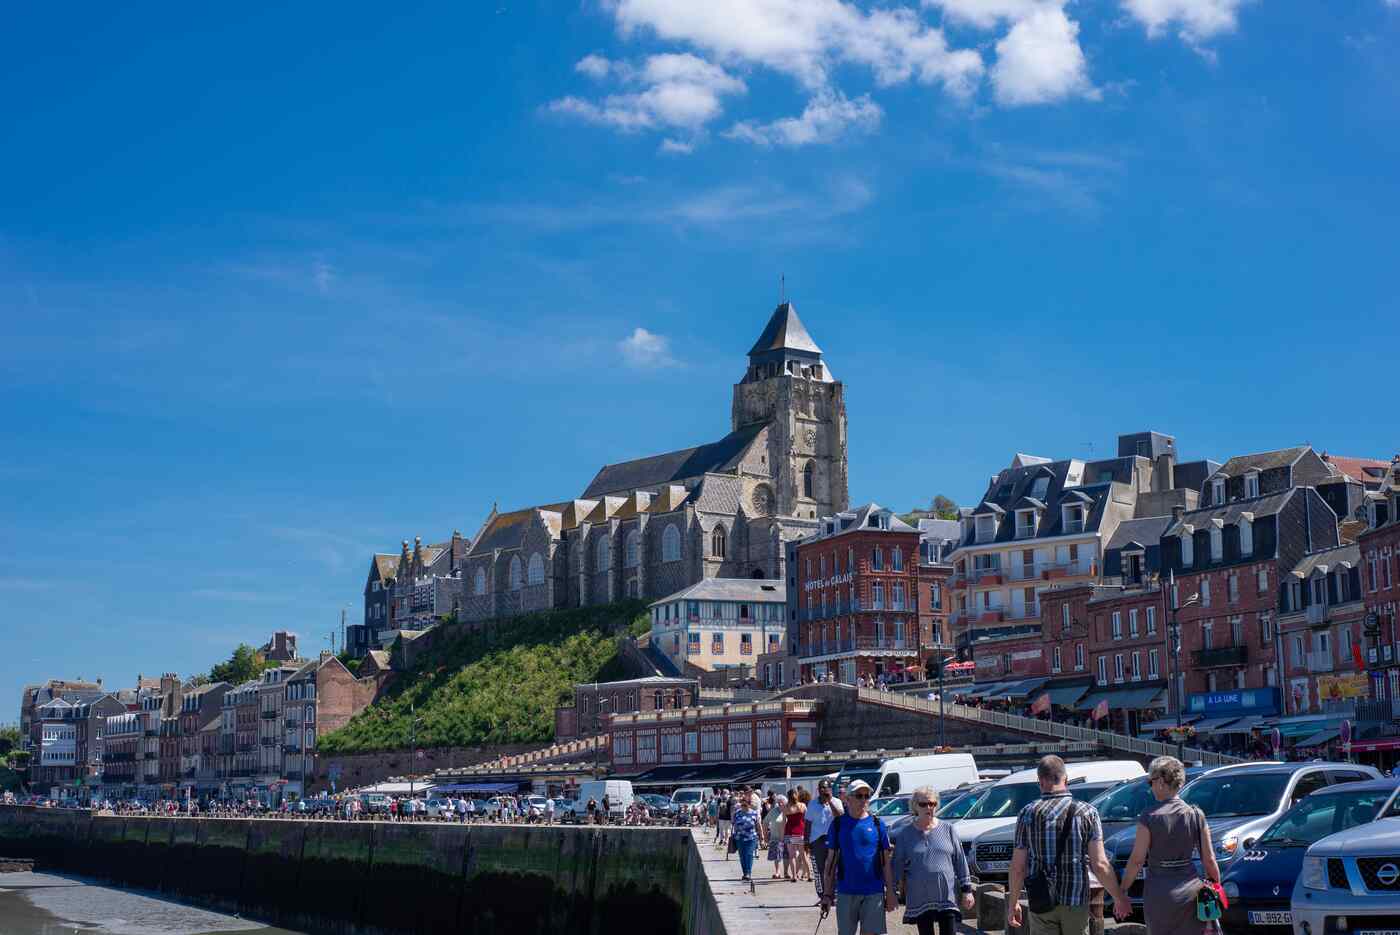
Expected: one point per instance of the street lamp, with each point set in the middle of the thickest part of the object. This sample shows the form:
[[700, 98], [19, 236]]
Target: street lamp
[[942, 722], [413, 747], [1175, 627], [597, 729]]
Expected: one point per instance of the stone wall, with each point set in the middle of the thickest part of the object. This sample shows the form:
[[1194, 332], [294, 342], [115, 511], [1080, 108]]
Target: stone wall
[[848, 724], [378, 878], [362, 769]]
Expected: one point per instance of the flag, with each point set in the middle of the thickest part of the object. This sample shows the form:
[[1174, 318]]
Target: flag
[[1356, 656], [1101, 710], [1041, 704]]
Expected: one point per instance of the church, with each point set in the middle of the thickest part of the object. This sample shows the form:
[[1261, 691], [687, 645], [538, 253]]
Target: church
[[649, 527]]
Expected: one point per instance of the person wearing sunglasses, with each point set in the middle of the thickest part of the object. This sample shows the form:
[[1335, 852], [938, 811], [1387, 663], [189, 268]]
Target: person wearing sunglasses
[[858, 867], [930, 868]]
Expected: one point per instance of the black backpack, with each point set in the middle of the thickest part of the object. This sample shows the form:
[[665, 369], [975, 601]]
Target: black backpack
[[881, 854]]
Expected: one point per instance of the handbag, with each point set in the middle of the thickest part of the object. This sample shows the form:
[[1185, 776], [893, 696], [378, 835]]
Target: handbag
[[1210, 902], [1038, 893]]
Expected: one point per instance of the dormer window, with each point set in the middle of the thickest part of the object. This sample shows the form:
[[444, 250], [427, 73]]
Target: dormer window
[[1188, 549], [1073, 518], [986, 528], [1025, 524], [1251, 485], [1246, 537], [1217, 543], [1217, 491]]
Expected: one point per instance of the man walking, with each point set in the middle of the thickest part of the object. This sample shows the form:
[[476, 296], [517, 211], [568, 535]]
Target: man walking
[[858, 867], [819, 816], [1058, 841]]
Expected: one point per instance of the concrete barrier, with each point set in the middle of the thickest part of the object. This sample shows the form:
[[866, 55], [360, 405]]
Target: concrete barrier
[[380, 878]]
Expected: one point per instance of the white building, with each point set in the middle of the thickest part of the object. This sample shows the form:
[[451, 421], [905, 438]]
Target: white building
[[720, 623]]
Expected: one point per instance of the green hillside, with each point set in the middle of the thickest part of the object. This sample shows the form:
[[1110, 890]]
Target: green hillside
[[498, 686]]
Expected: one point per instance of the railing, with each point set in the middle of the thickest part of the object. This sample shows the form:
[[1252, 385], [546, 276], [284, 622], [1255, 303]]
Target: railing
[[293, 723], [269, 715], [1220, 656], [781, 706], [1320, 662], [269, 741], [1074, 526], [854, 644], [1066, 732], [291, 748], [1317, 614], [1029, 612], [985, 575]]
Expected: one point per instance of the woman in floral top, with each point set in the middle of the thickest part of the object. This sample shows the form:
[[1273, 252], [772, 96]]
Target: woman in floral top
[[748, 830]]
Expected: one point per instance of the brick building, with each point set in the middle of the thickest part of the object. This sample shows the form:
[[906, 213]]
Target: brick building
[[739, 733], [1379, 552], [321, 696], [239, 747], [594, 701], [201, 706], [855, 593], [122, 737], [1321, 621], [272, 697]]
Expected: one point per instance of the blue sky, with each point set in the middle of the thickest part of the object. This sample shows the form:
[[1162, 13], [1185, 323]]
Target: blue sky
[[280, 288]]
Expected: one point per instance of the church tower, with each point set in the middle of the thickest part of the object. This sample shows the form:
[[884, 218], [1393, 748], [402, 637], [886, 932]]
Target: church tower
[[789, 387]]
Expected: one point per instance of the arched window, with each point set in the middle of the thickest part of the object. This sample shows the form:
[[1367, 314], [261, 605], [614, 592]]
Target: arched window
[[630, 550], [535, 574], [808, 480], [717, 543], [604, 554], [479, 583], [671, 544], [515, 573]]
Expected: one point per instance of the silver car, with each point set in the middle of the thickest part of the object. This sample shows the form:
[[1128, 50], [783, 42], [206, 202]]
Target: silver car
[[989, 857], [1351, 881]]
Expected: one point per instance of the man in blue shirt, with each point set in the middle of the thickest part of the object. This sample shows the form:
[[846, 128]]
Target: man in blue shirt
[[858, 867]]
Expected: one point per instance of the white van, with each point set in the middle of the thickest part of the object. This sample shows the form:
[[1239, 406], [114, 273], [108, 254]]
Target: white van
[[900, 775], [782, 786], [618, 792], [691, 796], [1004, 800]]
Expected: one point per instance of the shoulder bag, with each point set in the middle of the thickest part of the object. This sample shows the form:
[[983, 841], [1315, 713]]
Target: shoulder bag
[[1039, 894]]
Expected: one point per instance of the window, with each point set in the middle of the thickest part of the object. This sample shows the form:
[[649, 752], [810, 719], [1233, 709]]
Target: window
[[896, 559], [671, 544], [479, 583], [1117, 625], [1055, 659], [1118, 667], [1298, 651], [897, 595], [1025, 524], [1324, 644], [515, 580], [1371, 571], [1064, 617], [1151, 621], [1234, 580], [1137, 667], [375, 587], [1217, 543], [1266, 629], [1346, 644], [716, 644], [741, 741], [630, 550], [1263, 581], [1251, 484], [603, 554], [936, 596], [986, 528], [1385, 572], [1103, 670], [1319, 591], [535, 573], [717, 542], [1208, 634], [746, 644], [692, 644], [1153, 670], [1246, 537], [1079, 657], [1133, 623], [1217, 491], [877, 595], [877, 560], [809, 481], [1188, 548], [1205, 592], [1236, 631]]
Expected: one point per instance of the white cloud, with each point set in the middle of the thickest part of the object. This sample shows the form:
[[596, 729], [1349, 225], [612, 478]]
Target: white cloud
[[679, 90], [323, 275], [646, 351], [678, 147], [826, 117], [1039, 61], [1195, 20], [594, 66], [984, 14], [806, 39]]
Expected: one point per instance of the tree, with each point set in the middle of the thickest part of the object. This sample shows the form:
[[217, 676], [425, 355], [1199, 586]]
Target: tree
[[944, 508], [245, 663]]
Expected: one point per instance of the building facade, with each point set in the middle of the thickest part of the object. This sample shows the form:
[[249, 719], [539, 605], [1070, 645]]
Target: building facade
[[595, 701], [1379, 551], [721, 623], [201, 706], [321, 696], [271, 701], [738, 733]]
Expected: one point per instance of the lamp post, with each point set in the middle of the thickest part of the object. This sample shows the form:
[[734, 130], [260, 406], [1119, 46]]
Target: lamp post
[[597, 726], [413, 746], [942, 721], [1175, 628]]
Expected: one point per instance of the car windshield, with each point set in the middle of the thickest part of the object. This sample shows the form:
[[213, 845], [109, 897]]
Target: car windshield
[[959, 807], [1088, 793], [1236, 794], [890, 808], [870, 776], [1005, 801], [688, 796], [1126, 802], [1317, 816]]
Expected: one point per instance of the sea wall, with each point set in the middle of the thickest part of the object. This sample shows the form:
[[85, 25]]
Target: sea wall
[[382, 878]]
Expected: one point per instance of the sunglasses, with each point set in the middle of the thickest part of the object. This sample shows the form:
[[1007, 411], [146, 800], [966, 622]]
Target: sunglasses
[[860, 795], [925, 804]]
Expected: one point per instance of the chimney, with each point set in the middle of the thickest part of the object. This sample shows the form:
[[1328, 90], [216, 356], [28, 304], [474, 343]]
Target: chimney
[[1178, 513], [326, 655]]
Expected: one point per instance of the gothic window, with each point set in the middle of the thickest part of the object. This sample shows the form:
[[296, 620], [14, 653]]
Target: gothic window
[[515, 572], [808, 480], [671, 544], [629, 550], [536, 571], [479, 583], [717, 543], [604, 554]]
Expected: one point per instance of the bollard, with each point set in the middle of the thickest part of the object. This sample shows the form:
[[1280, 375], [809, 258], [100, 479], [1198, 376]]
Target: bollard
[[981, 888], [991, 909]]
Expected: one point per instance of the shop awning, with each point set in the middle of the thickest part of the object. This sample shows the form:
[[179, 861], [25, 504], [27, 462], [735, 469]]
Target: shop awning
[[985, 690], [1126, 699], [1319, 738], [1025, 688], [1244, 725], [1066, 695], [1301, 727], [491, 788], [1213, 725], [700, 774], [1166, 723], [1380, 743]]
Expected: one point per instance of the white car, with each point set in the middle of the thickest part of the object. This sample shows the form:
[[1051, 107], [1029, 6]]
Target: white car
[[535, 805], [494, 808], [440, 808]]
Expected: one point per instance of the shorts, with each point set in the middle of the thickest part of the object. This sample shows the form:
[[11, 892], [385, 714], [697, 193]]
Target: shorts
[[724, 826], [863, 914], [1062, 920], [794, 843], [775, 850]]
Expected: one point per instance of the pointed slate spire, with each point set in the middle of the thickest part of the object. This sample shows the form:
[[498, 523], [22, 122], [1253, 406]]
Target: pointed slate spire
[[784, 331]]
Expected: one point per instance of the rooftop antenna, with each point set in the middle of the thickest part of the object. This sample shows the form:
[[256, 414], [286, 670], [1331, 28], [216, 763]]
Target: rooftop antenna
[[1090, 446], [782, 288]]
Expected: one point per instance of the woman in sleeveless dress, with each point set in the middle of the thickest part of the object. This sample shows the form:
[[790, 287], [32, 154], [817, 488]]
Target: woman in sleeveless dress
[[1168, 833]]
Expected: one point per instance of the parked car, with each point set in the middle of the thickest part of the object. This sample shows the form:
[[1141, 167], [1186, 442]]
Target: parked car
[[894, 811], [990, 856], [440, 808], [658, 806], [374, 803], [535, 806], [954, 808], [1240, 801], [691, 796], [1350, 881], [900, 775], [1259, 881]]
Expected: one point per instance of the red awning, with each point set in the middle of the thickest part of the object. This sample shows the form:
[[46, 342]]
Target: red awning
[[1370, 746]]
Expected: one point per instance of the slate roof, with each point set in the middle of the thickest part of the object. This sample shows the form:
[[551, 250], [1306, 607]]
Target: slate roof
[[1261, 461], [674, 466], [718, 493], [1230, 513], [505, 530], [1146, 532], [1012, 488], [731, 589], [1329, 559], [940, 529], [387, 563], [785, 331], [1192, 474]]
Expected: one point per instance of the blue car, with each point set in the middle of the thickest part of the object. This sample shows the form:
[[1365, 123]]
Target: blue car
[[1259, 881]]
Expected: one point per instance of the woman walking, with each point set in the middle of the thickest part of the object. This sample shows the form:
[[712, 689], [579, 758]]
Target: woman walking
[[747, 830], [930, 868], [1167, 834], [794, 833], [774, 822]]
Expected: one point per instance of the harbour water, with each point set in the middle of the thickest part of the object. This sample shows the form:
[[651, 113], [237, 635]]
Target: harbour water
[[45, 904]]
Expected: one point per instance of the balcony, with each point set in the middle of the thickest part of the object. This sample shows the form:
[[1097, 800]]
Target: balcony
[[1029, 612], [152, 733], [1320, 662], [856, 644], [293, 723], [1317, 615], [986, 576], [269, 741], [1220, 656], [991, 615], [292, 748], [269, 715], [1051, 571]]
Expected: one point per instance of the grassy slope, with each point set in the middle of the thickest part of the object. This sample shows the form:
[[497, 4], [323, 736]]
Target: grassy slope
[[496, 687]]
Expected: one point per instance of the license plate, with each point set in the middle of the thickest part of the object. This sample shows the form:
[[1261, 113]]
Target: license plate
[[994, 864], [1378, 932], [1271, 918]]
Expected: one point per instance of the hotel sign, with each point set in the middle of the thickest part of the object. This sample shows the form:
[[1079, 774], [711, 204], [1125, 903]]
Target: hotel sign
[[834, 580]]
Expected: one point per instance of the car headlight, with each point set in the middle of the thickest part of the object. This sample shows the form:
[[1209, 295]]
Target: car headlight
[[1227, 846], [1314, 873], [1232, 889]]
